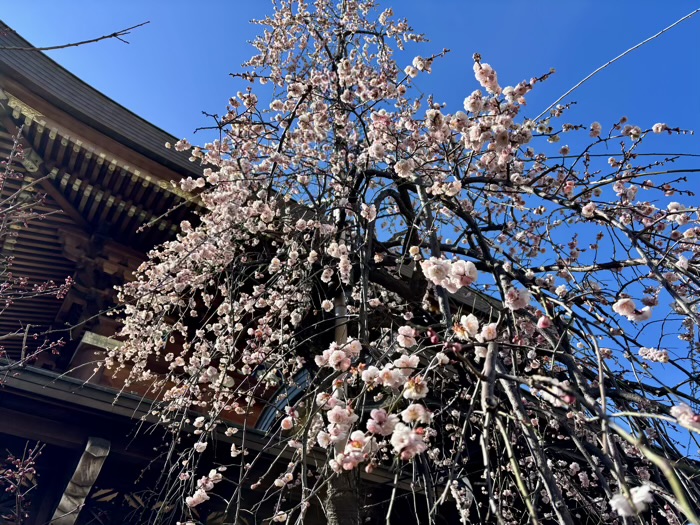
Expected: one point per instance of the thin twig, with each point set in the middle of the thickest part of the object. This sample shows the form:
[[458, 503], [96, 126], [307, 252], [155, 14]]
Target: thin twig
[[24, 344], [118, 35], [601, 68]]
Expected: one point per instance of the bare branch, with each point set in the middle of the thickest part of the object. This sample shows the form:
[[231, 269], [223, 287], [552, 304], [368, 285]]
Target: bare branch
[[117, 34]]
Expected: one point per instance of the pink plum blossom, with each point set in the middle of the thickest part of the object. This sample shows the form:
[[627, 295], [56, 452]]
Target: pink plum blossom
[[407, 441], [381, 423], [406, 337]]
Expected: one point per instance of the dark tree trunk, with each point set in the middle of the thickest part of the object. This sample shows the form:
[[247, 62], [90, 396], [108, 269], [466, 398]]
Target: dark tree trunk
[[342, 505]]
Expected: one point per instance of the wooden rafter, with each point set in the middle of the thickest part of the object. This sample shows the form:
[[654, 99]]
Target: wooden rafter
[[45, 182]]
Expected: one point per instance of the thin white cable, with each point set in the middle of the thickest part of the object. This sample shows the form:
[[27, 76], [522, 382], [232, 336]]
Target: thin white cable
[[601, 68]]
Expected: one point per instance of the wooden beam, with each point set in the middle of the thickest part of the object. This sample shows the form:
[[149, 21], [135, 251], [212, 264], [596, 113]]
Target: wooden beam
[[100, 341], [39, 428], [83, 479]]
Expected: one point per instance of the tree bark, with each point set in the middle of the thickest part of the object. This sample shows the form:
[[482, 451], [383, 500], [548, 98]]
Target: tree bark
[[342, 505]]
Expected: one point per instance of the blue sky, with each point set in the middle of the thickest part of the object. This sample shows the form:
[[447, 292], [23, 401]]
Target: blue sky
[[178, 65]]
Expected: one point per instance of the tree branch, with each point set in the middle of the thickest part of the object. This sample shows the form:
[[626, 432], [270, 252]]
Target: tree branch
[[118, 35]]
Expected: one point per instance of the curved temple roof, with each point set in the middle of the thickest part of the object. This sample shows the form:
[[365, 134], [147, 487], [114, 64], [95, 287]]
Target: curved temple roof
[[57, 86]]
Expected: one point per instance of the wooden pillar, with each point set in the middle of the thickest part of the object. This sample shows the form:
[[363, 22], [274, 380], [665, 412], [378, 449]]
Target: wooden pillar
[[79, 486]]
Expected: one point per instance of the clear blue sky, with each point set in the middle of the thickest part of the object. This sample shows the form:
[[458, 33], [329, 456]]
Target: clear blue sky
[[178, 65]]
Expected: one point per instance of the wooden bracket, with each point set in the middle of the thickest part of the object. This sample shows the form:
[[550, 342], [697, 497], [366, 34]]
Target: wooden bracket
[[79, 486]]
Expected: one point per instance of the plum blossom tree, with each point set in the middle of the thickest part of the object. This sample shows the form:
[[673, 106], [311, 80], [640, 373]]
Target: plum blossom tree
[[507, 328]]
